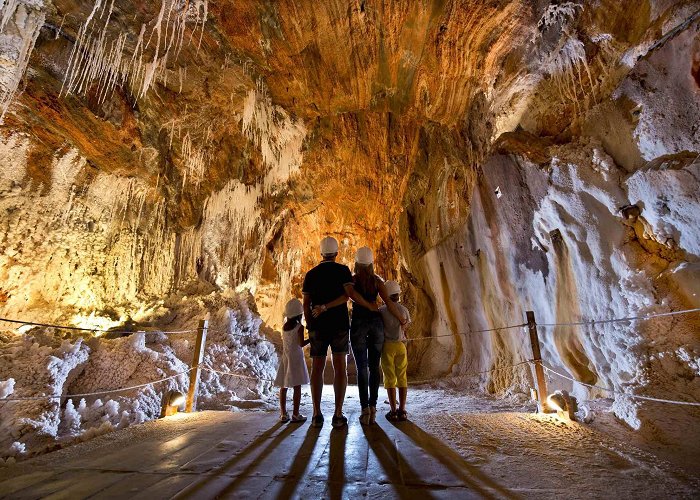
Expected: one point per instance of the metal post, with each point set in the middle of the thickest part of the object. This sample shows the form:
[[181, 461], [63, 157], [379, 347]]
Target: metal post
[[537, 358], [196, 360]]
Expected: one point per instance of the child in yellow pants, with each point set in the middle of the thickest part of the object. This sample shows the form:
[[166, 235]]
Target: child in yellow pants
[[394, 359]]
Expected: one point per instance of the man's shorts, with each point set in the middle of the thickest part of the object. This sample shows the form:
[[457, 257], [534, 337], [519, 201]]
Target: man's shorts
[[339, 342], [394, 365]]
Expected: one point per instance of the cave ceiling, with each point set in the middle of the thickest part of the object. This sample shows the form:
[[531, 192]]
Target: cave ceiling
[[363, 119]]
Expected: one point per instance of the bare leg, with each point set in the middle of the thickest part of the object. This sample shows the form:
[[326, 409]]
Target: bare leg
[[297, 399], [402, 398], [340, 381], [318, 365], [391, 392], [283, 400]]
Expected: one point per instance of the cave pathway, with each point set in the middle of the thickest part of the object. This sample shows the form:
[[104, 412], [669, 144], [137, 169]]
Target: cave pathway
[[486, 451]]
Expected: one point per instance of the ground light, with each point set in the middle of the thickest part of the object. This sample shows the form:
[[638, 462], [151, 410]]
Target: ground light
[[172, 401], [563, 404]]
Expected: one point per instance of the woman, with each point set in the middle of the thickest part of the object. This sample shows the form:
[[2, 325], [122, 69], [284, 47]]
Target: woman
[[367, 332]]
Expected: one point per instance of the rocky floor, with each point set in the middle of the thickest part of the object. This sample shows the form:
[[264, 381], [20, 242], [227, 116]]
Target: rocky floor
[[454, 445]]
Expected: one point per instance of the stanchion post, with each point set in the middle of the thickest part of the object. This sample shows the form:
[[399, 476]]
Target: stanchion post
[[537, 358], [196, 361]]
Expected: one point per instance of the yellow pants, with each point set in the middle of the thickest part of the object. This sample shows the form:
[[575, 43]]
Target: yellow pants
[[394, 364]]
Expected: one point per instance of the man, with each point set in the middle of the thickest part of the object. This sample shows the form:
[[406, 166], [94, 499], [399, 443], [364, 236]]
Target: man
[[327, 287]]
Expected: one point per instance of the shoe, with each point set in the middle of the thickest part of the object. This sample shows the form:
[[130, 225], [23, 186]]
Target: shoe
[[372, 415], [365, 418], [317, 421], [284, 418], [401, 415], [391, 416], [298, 419], [339, 421]]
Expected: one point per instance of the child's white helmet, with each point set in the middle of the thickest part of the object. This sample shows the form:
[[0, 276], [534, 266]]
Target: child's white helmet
[[392, 287], [293, 308]]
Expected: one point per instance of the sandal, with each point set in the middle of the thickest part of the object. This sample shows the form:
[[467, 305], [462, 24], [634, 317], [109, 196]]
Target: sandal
[[401, 415], [391, 416], [365, 416], [317, 421], [298, 419], [284, 418], [339, 421]]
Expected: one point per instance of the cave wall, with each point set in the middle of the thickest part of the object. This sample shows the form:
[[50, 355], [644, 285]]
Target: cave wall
[[578, 228]]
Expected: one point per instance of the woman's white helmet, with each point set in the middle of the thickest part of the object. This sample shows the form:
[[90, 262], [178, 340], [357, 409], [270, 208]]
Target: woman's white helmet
[[329, 246], [364, 256], [392, 287], [293, 308]]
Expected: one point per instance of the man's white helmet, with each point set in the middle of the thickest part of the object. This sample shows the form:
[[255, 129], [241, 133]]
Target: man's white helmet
[[329, 246], [392, 287], [293, 308], [364, 256]]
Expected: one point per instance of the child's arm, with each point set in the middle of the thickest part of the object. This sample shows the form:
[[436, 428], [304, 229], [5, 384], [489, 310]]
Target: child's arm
[[355, 296], [405, 327], [391, 305], [302, 342]]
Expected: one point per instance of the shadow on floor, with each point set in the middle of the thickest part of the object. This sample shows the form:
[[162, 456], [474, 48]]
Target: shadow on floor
[[197, 489], [454, 462], [393, 463], [300, 464], [336, 457]]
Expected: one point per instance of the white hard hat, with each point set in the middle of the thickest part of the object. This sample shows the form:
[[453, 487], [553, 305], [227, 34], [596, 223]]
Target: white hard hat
[[293, 308], [329, 246], [364, 256], [392, 287]]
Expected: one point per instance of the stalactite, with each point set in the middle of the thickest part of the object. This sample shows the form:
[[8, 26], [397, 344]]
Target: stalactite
[[27, 23], [196, 162], [558, 14], [96, 58], [278, 136]]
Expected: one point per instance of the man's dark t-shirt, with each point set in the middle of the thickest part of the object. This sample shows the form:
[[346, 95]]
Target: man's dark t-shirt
[[325, 283]]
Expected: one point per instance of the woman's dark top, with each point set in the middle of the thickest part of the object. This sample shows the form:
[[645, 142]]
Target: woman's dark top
[[359, 312]]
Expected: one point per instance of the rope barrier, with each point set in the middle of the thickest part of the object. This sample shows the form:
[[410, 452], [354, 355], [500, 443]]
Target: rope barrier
[[469, 375], [97, 393], [672, 33], [411, 382], [221, 372], [633, 396], [63, 327], [413, 339], [467, 333], [261, 339], [621, 320]]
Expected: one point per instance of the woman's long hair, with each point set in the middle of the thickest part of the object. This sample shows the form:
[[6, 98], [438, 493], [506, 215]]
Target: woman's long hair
[[365, 279]]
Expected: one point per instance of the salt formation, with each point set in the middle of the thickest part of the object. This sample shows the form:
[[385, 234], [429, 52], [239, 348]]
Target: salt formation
[[50, 362], [196, 162], [565, 230], [110, 62], [143, 257], [277, 135], [20, 23]]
